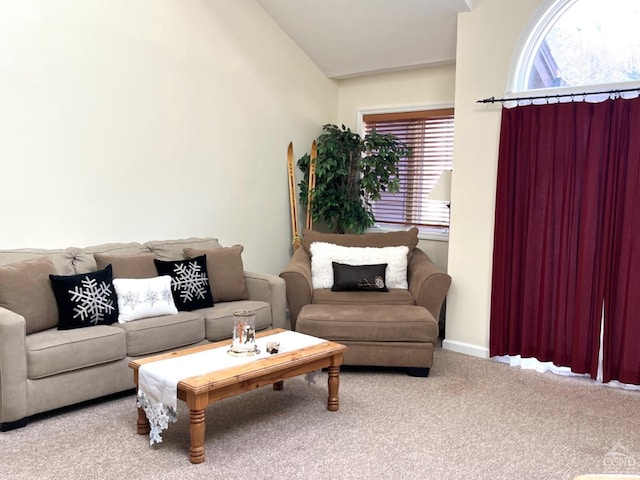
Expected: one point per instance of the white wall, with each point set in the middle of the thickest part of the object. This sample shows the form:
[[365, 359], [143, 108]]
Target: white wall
[[424, 87], [153, 119], [487, 38]]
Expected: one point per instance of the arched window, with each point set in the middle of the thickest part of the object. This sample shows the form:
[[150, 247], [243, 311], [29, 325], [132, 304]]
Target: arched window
[[580, 43]]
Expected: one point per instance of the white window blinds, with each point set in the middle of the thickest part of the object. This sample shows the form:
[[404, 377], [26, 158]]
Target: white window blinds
[[429, 136]]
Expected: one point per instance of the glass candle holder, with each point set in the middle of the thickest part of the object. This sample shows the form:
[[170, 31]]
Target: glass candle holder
[[244, 332]]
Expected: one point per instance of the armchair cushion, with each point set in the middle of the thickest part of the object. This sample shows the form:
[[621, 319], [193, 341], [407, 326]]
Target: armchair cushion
[[395, 296]]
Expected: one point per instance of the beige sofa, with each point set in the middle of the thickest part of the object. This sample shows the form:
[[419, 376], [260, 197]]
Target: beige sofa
[[43, 368], [395, 328]]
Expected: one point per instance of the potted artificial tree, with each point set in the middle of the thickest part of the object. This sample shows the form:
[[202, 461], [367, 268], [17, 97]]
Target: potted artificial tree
[[350, 173]]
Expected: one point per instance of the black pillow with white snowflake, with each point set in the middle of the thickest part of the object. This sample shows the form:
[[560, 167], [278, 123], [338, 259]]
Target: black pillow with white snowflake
[[86, 299], [189, 282]]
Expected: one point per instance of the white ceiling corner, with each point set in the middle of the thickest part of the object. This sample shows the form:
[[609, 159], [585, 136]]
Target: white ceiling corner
[[354, 37]]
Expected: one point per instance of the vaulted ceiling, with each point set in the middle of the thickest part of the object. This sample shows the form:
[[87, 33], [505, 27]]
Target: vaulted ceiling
[[354, 37]]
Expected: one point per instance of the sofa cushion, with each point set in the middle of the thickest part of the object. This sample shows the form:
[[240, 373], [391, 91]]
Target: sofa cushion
[[219, 319], [408, 238], [189, 282], [85, 299], [226, 272], [174, 249], [395, 296], [144, 297], [25, 289], [55, 351], [323, 254], [351, 278], [128, 266], [157, 334]]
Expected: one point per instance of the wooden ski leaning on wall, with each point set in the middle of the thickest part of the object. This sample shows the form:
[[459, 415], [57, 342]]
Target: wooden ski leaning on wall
[[293, 203], [311, 184]]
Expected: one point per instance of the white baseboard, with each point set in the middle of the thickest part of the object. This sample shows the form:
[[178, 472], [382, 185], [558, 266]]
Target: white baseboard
[[466, 348]]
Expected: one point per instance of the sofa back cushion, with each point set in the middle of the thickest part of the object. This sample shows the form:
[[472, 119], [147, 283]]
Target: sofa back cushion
[[174, 249], [61, 258], [84, 259], [226, 272], [128, 266], [407, 238], [25, 289]]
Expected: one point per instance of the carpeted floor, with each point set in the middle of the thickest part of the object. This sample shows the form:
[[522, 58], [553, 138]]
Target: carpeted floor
[[471, 419]]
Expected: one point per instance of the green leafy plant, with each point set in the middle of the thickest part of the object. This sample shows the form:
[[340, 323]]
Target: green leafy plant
[[351, 172]]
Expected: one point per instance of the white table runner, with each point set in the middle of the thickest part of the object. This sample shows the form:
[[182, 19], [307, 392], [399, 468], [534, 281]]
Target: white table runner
[[158, 381]]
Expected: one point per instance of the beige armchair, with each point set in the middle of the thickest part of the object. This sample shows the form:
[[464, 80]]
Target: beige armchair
[[394, 328]]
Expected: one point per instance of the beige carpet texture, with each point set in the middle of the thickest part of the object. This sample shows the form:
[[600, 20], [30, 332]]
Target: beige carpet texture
[[471, 418]]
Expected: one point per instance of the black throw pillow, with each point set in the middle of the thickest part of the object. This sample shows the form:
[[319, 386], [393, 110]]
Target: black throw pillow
[[189, 282], [359, 277], [85, 299]]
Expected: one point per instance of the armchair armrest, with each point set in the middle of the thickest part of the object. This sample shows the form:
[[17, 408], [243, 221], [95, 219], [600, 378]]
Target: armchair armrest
[[271, 289], [13, 367], [297, 276], [427, 283]]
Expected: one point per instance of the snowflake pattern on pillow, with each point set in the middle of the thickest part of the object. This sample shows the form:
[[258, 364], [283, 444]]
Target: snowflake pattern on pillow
[[189, 282], [85, 300], [144, 297]]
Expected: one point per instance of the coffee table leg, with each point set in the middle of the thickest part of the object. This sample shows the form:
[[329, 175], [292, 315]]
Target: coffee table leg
[[196, 431], [278, 385], [333, 402], [142, 424]]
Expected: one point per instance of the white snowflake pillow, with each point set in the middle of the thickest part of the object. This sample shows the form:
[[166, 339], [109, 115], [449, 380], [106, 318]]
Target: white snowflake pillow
[[323, 254], [144, 297], [189, 282], [86, 299]]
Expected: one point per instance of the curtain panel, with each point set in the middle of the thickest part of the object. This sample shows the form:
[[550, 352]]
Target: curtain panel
[[567, 224]]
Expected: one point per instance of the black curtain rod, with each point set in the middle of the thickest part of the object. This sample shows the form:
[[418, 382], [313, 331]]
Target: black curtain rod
[[558, 96]]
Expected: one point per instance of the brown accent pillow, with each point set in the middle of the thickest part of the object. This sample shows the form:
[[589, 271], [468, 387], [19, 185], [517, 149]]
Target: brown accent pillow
[[377, 239], [226, 272], [25, 289], [128, 266]]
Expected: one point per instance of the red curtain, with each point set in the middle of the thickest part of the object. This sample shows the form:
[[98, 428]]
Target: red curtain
[[564, 246], [621, 341]]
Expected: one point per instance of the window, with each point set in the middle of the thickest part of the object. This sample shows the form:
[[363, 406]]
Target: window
[[582, 43], [429, 136]]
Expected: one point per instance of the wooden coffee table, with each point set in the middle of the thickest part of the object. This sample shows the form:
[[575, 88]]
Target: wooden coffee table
[[200, 391]]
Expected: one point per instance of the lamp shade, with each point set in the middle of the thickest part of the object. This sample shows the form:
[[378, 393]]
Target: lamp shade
[[442, 189]]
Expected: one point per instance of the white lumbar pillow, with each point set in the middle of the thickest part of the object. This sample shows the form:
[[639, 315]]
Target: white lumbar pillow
[[144, 297], [322, 254]]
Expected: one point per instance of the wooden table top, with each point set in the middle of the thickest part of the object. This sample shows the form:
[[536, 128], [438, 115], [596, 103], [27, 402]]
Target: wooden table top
[[260, 367]]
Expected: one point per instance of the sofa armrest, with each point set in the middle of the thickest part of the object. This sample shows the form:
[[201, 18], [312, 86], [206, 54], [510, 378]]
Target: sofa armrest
[[271, 289], [13, 367], [297, 276], [427, 283]]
